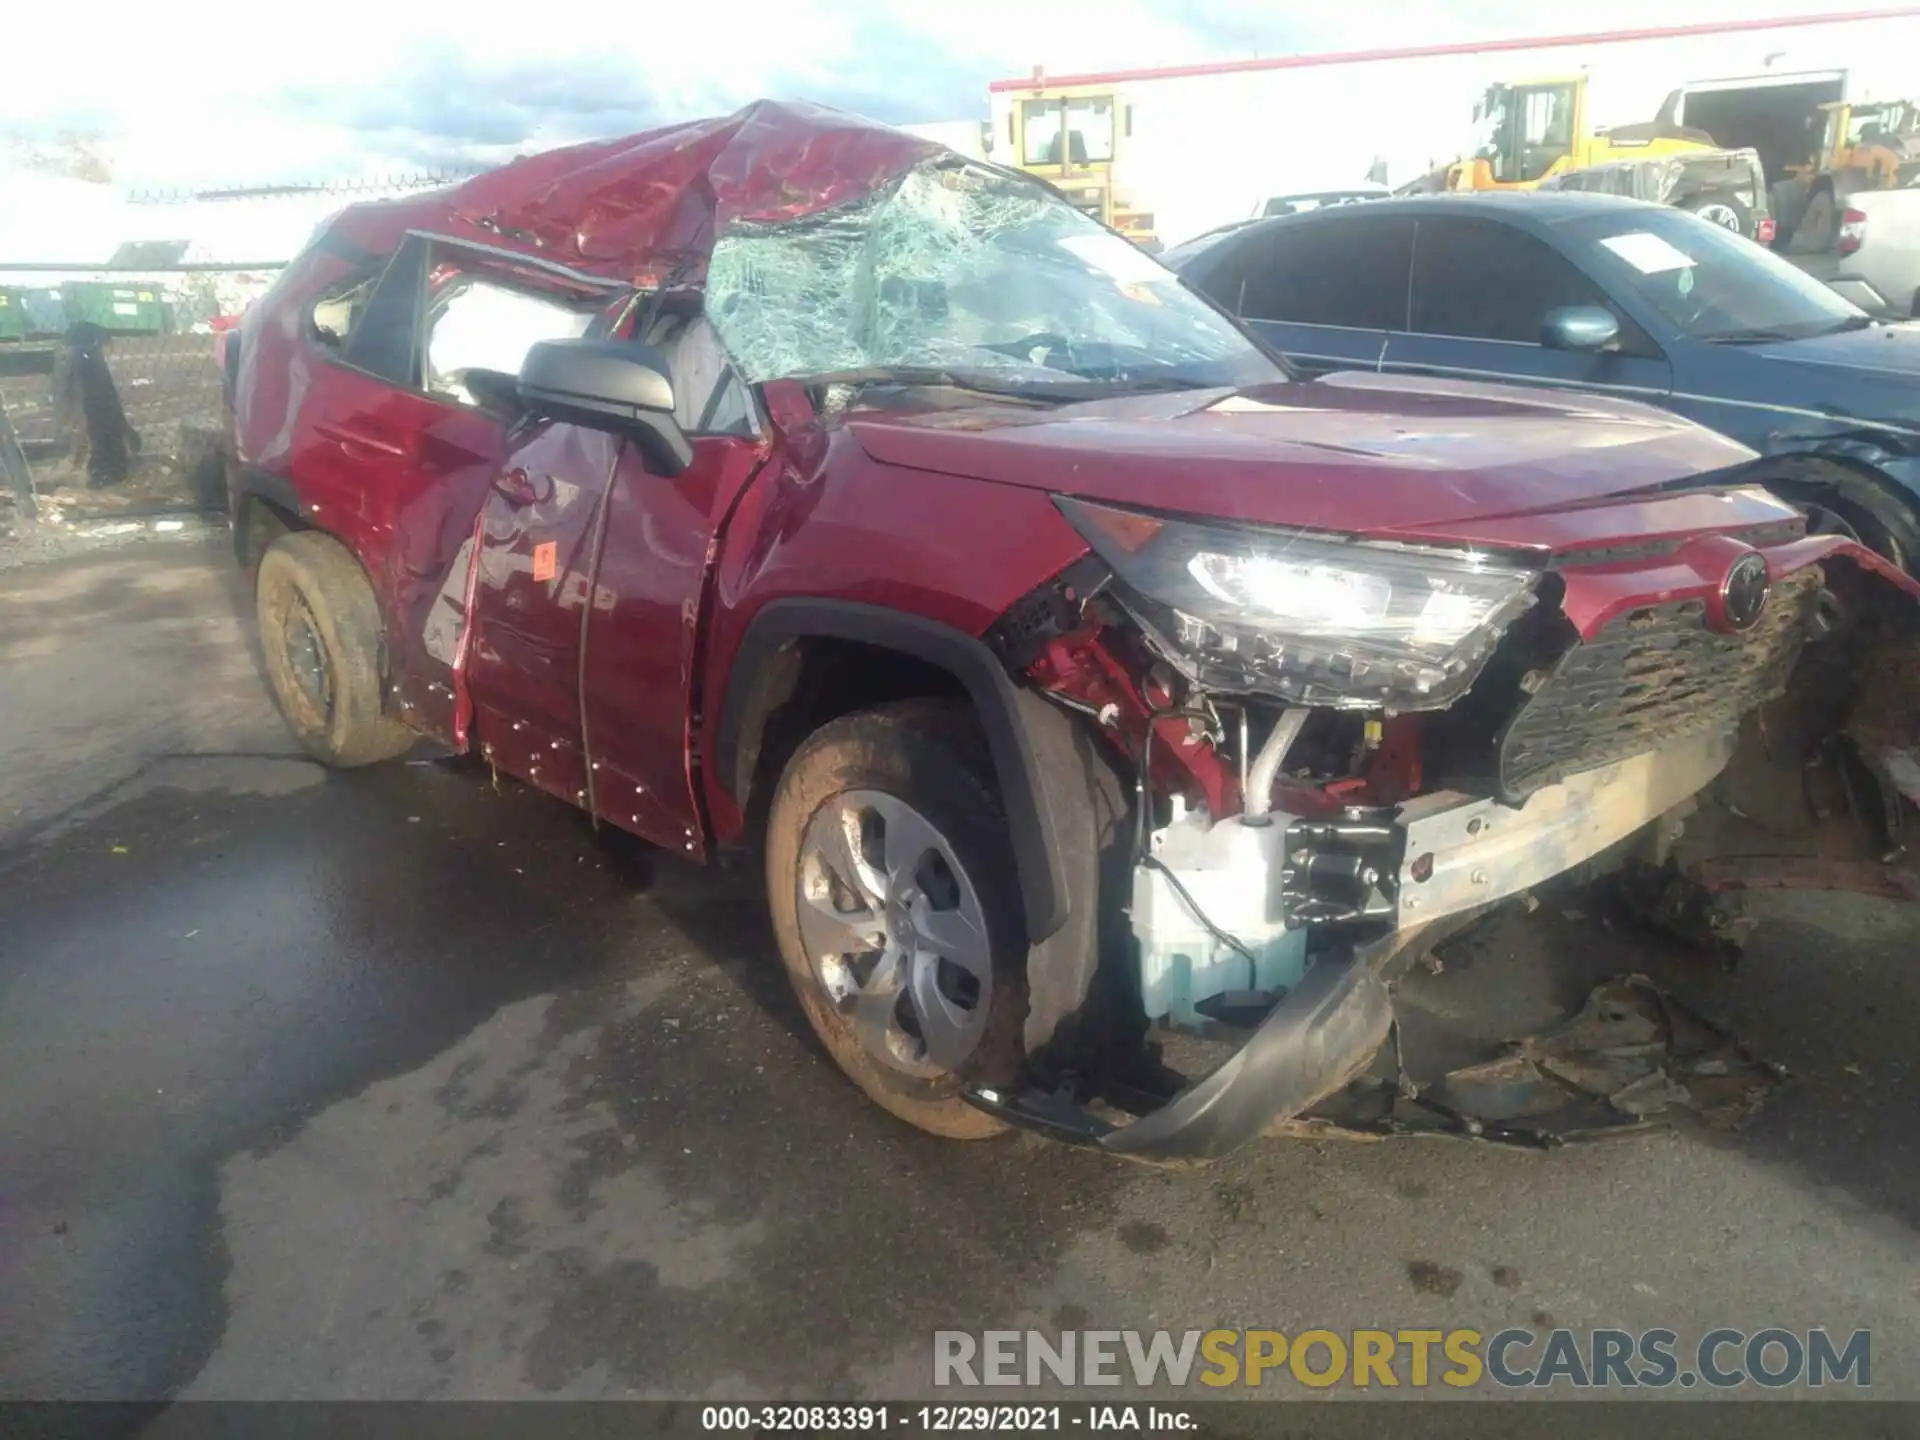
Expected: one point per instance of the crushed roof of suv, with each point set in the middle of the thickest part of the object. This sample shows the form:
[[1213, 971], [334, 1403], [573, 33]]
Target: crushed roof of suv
[[659, 200]]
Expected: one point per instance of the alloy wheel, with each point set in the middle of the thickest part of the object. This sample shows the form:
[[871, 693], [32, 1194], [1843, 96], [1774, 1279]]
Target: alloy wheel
[[1725, 216], [894, 932], [307, 659]]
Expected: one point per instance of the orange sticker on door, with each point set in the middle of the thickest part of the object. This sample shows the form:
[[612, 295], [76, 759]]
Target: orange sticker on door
[[546, 559]]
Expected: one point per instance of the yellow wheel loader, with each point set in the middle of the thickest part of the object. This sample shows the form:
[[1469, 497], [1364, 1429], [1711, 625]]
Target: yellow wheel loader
[[1534, 130], [1075, 137], [1864, 147]]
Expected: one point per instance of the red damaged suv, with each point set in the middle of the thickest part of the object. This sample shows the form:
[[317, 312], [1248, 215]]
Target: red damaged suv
[[785, 483]]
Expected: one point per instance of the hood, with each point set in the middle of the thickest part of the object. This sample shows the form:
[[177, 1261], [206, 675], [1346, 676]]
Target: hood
[[637, 208], [1354, 453], [1887, 352]]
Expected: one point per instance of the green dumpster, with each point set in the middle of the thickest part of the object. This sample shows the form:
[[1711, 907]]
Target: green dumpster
[[43, 310], [125, 309], [13, 316]]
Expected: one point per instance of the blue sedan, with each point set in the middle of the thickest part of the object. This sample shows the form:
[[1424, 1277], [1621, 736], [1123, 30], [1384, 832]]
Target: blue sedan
[[1595, 292]]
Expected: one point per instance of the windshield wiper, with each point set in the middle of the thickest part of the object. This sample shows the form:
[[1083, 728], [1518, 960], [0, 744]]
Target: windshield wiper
[[1850, 322], [1064, 391], [1155, 385], [1755, 336], [1760, 336], [930, 375]]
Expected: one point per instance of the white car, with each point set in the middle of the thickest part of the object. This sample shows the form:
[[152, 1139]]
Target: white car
[[1878, 253]]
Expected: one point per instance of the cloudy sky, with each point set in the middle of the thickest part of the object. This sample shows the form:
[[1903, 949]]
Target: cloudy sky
[[231, 92]]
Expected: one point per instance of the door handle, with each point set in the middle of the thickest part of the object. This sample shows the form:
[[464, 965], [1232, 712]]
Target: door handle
[[519, 487], [349, 438]]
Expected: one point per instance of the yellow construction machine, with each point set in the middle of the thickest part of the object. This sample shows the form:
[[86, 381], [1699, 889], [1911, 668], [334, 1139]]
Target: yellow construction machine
[[1864, 146], [1076, 137], [1533, 130]]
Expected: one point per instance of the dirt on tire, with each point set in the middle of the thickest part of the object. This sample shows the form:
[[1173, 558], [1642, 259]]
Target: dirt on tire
[[317, 576], [930, 754]]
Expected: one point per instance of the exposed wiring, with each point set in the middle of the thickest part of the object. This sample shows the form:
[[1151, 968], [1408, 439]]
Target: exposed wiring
[[1077, 706], [1143, 792], [1194, 905], [1143, 782]]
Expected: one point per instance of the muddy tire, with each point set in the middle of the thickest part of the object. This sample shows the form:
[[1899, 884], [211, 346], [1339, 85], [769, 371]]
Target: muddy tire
[[320, 634], [897, 910], [1840, 501]]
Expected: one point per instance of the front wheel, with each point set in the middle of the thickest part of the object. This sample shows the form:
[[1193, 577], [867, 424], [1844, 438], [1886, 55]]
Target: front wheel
[[320, 634], [1838, 501], [897, 910]]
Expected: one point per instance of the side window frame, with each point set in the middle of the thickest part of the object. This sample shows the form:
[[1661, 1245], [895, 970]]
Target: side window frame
[[1253, 256], [386, 342], [390, 340], [364, 276], [1633, 340], [640, 308]]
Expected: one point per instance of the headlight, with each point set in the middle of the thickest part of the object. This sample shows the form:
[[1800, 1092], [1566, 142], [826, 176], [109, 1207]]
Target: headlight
[[1311, 618]]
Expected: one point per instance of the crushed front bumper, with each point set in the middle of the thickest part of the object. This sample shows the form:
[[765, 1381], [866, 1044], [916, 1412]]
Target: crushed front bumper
[[1317, 1038], [1469, 854], [1436, 861]]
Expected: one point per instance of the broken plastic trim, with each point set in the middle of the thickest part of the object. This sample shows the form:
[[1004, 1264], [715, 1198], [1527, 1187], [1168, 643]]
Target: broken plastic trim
[[1320, 1034], [1633, 1057]]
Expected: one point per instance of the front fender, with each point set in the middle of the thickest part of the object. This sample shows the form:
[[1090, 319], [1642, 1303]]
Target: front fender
[[1024, 746]]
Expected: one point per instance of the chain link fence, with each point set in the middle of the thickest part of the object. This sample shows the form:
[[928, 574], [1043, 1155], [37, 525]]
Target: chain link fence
[[111, 397], [86, 352]]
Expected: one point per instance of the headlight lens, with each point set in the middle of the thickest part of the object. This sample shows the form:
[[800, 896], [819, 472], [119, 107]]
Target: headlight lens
[[1311, 618]]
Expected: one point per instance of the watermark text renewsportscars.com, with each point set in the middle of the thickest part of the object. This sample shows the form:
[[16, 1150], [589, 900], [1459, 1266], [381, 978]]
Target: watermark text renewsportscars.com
[[1769, 1358]]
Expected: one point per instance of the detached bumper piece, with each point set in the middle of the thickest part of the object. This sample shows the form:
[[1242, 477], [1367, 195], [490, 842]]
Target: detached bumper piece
[[1635, 1057], [1442, 856], [1322, 1033]]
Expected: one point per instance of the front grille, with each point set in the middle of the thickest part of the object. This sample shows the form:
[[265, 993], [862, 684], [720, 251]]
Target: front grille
[[1650, 677]]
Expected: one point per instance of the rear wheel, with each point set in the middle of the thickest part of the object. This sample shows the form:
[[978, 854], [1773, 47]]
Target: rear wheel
[[898, 913], [1726, 211], [320, 634]]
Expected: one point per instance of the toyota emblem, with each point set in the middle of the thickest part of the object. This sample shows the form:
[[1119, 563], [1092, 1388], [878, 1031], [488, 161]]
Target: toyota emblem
[[1743, 594]]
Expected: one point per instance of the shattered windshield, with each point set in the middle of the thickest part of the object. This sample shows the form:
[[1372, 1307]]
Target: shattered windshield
[[962, 270]]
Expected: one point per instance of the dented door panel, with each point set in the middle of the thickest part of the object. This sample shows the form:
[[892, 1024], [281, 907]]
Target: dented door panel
[[638, 700], [537, 537]]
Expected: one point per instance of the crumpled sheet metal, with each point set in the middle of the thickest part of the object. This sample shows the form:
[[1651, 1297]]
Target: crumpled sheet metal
[[1634, 1057], [658, 201], [1667, 179]]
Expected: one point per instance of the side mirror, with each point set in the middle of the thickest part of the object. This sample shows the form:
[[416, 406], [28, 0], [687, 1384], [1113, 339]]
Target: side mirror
[[1579, 327], [615, 385], [494, 391]]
